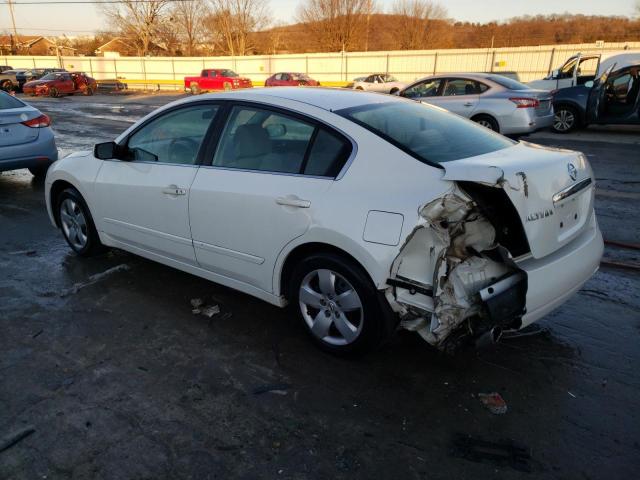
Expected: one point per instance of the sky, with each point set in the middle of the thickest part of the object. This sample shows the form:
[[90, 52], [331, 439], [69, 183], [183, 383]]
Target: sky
[[86, 19]]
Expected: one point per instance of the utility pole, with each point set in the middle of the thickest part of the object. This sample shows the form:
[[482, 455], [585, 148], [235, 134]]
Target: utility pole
[[13, 19], [366, 41]]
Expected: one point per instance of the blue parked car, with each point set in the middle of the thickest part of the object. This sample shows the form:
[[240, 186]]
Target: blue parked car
[[612, 99], [26, 138]]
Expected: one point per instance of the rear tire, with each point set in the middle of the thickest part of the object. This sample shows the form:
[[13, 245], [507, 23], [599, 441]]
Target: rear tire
[[338, 305], [195, 89], [7, 86], [565, 119], [77, 224], [39, 172], [53, 92], [394, 90], [487, 122]]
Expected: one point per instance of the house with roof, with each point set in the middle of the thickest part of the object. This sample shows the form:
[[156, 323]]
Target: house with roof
[[32, 45]]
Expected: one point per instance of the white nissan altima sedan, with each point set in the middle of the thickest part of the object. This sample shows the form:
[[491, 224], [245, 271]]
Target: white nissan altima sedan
[[363, 212]]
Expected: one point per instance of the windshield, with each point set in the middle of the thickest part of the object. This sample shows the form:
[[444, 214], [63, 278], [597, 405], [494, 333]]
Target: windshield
[[507, 82], [427, 133], [51, 76], [228, 73], [7, 101], [300, 76]]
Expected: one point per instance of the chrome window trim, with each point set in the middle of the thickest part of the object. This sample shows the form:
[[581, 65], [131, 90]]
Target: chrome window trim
[[267, 172], [571, 190], [138, 162]]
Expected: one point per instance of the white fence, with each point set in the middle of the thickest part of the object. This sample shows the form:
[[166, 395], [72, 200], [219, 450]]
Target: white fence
[[527, 63]]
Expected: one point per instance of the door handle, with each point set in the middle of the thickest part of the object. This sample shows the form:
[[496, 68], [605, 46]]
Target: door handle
[[468, 104], [174, 190], [293, 202]]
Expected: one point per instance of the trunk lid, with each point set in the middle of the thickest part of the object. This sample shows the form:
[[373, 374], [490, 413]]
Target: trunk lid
[[551, 189], [12, 131], [545, 99]]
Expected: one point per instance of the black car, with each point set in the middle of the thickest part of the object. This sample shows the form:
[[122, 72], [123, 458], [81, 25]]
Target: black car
[[613, 98], [34, 74]]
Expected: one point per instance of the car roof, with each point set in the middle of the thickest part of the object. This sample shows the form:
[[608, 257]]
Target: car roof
[[620, 60], [330, 99]]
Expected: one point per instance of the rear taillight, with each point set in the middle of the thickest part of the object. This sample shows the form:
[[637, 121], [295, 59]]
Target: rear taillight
[[38, 122], [523, 102]]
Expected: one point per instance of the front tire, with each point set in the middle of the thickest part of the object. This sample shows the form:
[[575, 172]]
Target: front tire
[[565, 119], [227, 86], [338, 305], [77, 224], [7, 86]]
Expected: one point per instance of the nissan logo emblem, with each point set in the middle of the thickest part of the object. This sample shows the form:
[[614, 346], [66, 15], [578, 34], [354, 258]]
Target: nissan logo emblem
[[573, 172]]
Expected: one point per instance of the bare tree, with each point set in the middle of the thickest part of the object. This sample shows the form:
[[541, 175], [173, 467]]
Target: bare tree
[[335, 24], [188, 18], [416, 20], [137, 22], [232, 22]]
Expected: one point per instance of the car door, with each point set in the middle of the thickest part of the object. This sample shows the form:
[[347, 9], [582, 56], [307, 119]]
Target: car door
[[459, 95], [597, 103], [269, 174], [64, 83], [143, 202]]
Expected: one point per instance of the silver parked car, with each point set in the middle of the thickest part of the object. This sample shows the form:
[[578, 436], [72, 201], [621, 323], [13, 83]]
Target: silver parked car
[[496, 102], [26, 139]]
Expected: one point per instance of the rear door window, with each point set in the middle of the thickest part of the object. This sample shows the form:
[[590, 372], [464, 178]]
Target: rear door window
[[328, 154], [461, 86], [272, 141]]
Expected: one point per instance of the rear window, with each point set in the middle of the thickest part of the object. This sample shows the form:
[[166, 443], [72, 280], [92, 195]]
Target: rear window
[[427, 133], [507, 82], [7, 101]]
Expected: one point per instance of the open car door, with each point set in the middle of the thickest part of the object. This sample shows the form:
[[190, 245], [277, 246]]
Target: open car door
[[598, 96]]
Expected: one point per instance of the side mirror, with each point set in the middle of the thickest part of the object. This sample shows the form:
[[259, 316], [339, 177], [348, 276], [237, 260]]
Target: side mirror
[[108, 151], [555, 74], [589, 84]]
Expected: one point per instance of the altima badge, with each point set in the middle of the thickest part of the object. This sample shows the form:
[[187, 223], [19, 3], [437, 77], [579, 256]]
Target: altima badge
[[573, 172], [532, 217]]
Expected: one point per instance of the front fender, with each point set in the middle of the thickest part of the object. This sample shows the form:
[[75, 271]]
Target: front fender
[[79, 170]]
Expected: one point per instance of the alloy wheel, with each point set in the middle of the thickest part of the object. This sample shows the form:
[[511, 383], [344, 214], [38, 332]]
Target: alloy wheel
[[485, 123], [331, 307], [74, 223], [564, 120]]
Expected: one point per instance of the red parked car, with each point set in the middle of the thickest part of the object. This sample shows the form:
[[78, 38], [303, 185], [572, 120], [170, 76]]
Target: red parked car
[[290, 79], [56, 84], [216, 79]]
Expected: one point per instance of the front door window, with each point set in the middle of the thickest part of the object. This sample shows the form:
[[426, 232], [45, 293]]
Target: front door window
[[174, 137]]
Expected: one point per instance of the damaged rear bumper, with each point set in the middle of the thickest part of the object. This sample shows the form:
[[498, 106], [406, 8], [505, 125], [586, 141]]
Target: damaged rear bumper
[[454, 283], [554, 278]]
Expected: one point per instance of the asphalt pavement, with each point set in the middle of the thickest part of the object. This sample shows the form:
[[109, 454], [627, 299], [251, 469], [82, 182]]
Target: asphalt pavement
[[105, 372]]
